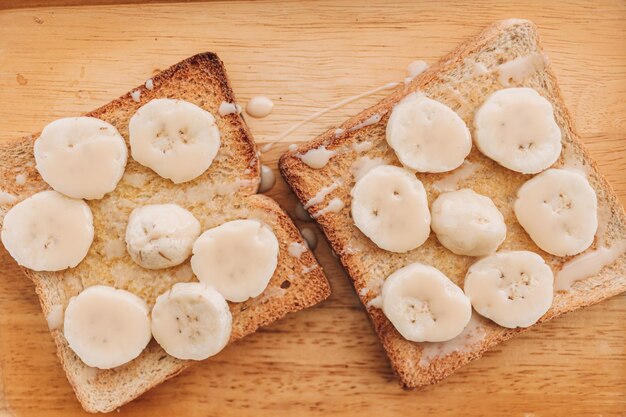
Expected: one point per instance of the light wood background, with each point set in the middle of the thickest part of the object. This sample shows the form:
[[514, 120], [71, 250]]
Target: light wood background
[[63, 61]]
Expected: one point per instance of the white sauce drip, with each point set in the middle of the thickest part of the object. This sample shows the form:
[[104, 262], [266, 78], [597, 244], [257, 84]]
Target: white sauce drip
[[415, 68], [322, 193], [113, 249], [259, 107], [229, 188], [149, 84], [587, 265], [374, 286], [319, 113], [309, 237], [306, 270], [267, 147], [317, 158], [90, 372], [573, 163], [478, 68], [473, 333], [451, 181], [351, 250], [296, 249], [364, 146], [203, 193], [333, 206], [363, 165], [228, 108], [372, 120], [136, 95], [55, 317], [7, 198], [604, 216], [135, 179], [268, 179], [376, 302], [20, 179], [338, 132], [520, 68], [293, 147]]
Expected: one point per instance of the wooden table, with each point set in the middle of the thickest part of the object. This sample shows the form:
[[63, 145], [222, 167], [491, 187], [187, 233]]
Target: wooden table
[[62, 61]]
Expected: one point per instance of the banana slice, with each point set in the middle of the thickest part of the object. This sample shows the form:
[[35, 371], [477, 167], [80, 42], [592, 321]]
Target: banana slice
[[467, 223], [48, 231], [176, 139], [558, 209], [191, 321], [237, 258], [106, 327], [161, 235], [81, 157], [514, 289], [389, 206], [424, 305], [428, 136], [516, 128]]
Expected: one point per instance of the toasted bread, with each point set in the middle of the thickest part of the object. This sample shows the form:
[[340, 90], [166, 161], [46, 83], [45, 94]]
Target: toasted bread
[[226, 191], [462, 80]]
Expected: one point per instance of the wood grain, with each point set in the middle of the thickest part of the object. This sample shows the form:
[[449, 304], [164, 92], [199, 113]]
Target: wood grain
[[57, 62]]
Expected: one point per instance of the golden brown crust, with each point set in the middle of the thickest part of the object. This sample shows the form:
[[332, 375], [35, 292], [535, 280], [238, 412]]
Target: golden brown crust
[[364, 262]]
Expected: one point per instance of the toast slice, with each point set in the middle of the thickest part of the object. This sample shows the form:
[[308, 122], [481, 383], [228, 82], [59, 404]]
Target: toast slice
[[462, 80], [226, 191]]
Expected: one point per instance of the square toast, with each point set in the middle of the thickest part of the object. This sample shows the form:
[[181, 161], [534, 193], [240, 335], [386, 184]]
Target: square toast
[[461, 80], [226, 191]]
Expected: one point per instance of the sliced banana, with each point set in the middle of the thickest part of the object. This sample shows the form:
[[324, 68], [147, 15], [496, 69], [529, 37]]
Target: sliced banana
[[516, 128], [48, 231], [427, 135], [514, 289], [191, 321], [176, 139], [558, 209], [390, 207], [237, 258], [81, 157], [161, 235], [424, 305], [467, 223], [106, 327]]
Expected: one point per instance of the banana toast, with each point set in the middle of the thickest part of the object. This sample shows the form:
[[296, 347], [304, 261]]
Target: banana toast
[[226, 191], [461, 80]]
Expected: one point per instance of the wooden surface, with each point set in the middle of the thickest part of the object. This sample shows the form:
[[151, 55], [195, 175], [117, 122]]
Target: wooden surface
[[58, 62]]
